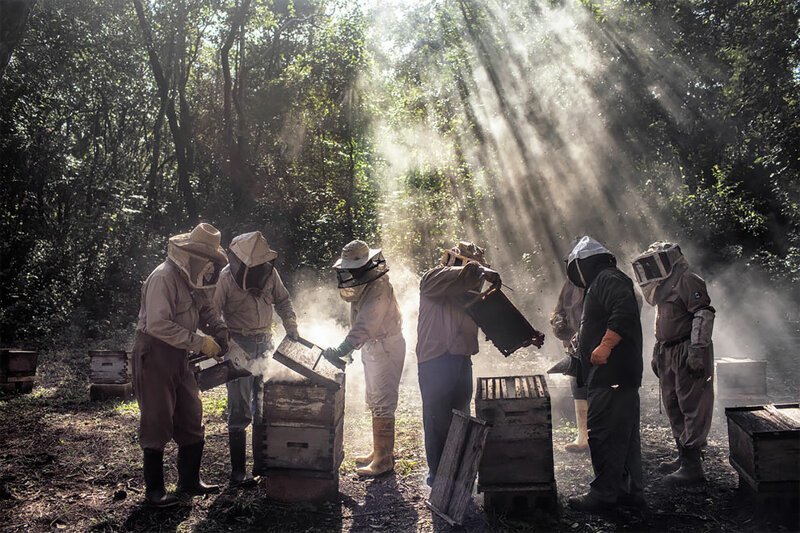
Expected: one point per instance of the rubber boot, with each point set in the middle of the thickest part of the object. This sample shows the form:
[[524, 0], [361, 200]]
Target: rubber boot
[[258, 450], [189, 458], [364, 459], [154, 493], [691, 470], [668, 467], [383, 444], [237, 443], [587, 503], [581, 443]]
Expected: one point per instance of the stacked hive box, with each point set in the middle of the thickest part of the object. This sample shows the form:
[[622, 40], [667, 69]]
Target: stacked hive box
[[765, 451], [516, 472], [17, 370], [110, 375], [302, 443], [741, 381]]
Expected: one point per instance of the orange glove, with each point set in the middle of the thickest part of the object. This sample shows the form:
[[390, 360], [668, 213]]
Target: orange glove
[[603, 351]]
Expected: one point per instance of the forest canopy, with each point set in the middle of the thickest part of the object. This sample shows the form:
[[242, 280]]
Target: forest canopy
[[123, 122]]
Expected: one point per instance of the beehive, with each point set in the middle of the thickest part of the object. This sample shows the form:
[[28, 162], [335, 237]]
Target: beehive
[[765, 450], [741, 378], [519, 447], [18, 370], [110, 375], [516, 471], [302, 438]]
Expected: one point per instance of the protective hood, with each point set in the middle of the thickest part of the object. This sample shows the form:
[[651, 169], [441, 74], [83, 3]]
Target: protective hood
[[462, 254], [656, 263], [251, 260], [199, 271], [587, 258], [252, 249]]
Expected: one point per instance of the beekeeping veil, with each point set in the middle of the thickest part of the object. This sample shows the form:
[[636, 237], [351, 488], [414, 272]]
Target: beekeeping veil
[[587, 258], [198, 255], [358, 265], [463, 253], [655, 265], [251, 260]]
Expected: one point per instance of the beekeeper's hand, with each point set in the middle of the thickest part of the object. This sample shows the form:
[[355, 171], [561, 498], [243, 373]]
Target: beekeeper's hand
[[695, 361], [223, 337], [210, 347], [291, 331], [491, 276], [341, 355]]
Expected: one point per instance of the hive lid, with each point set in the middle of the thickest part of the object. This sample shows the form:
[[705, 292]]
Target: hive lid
[[766, 419], [305, 358]]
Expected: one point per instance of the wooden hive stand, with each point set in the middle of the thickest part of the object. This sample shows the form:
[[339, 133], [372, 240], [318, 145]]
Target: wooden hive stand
[[18, 370], [516, 473], [110, 375], [765, 450]]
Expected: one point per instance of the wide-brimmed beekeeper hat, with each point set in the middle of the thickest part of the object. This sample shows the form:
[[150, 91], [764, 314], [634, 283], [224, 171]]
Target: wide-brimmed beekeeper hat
[[462, 253], [356, 254], [252, 249], [203, 240]]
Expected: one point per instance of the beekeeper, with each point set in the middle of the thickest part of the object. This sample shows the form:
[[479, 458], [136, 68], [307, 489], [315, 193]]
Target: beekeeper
[[447, 338], [375, 329], [683, 356], [248, 290], [175, 302], [565, 321], [610, 350]]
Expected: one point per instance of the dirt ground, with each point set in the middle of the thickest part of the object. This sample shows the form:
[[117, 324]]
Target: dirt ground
[[70, 464]]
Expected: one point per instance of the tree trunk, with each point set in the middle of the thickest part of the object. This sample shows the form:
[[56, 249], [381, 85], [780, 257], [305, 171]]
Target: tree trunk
[[13, 20], [178, 135], [232, 98]]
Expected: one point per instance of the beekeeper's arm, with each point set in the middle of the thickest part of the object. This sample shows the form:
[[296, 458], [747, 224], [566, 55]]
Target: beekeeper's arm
[[161, 308], [698, 303]]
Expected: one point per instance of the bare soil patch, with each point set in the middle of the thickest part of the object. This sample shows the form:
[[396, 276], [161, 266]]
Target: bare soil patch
[[69, 464]]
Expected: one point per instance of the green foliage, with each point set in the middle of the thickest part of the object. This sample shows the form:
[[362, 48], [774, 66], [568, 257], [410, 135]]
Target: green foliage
[[92, 168], [100, 163]]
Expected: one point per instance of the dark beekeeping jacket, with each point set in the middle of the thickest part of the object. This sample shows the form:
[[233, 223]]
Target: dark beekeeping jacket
[[611, 304]]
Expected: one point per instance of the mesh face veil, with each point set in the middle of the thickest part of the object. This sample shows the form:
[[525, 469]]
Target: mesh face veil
[[656, 263], [201, 272], [375, 268], [250, 278]]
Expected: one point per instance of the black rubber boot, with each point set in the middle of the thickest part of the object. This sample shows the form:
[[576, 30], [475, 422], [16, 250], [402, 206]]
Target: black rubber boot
[[668, 467], [586, 503], [258, 450], [189, 458], [691, 470], [154, 493], [636, 501], [237, 442]]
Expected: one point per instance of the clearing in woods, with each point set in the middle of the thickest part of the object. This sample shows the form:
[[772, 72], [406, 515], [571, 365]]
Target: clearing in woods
[[70, 464]]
